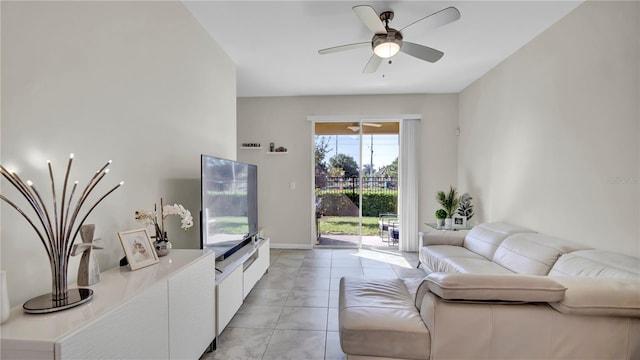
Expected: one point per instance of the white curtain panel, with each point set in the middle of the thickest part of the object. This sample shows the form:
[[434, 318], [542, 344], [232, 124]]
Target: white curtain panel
[[408, 188]]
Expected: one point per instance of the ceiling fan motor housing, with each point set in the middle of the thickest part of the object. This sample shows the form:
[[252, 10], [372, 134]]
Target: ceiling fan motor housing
[[386, 16]]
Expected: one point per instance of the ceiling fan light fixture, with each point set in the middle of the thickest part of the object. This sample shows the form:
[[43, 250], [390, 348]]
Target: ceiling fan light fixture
[[387, 45], [386, 50]]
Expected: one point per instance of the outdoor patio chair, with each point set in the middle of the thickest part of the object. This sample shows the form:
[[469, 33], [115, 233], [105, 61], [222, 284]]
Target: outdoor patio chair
[[393, 233], [384, 220]]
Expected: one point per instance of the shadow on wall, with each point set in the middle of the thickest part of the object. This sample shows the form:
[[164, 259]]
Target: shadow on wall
[[187, 193]]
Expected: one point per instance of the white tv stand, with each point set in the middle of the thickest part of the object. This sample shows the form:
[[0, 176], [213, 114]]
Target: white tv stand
[[236, 276], [163, 311]]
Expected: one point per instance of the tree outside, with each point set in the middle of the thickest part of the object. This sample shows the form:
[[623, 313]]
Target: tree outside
[[391, 170], [321, 150], [344, 164]]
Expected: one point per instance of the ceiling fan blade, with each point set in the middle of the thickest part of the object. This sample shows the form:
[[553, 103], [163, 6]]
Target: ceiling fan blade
[[372, 64], [371, 124], [370, 18], [343, 47], [421, 52], [437, 19]]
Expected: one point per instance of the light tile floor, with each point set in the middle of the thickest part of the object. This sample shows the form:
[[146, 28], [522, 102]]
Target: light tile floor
[[292, 313]]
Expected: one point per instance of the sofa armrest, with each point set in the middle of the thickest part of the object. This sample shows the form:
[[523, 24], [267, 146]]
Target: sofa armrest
[[599, 296], [493, 287], [455, 238]]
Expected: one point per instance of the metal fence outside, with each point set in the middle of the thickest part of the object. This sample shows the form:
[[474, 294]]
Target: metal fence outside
[[338, 184]]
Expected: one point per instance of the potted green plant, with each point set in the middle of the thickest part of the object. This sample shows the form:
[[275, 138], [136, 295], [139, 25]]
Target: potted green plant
[[449, 202], [440, 216], [466, 208]]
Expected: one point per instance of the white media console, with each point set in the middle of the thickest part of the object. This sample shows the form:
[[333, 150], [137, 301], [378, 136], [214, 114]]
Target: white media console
[[236, 276], [171, 310], [163, 311]]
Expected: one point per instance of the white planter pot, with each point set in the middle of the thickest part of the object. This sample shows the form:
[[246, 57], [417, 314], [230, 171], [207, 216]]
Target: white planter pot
[[440, 223], [447, 223]]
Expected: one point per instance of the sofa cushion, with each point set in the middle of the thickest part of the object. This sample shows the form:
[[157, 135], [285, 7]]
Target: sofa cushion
[[484, 239], [378, 318], [531, 253], [513, 287], [597, 263], [412, 285], [433, 256], [472, 266], [453, 238], [599, 296]]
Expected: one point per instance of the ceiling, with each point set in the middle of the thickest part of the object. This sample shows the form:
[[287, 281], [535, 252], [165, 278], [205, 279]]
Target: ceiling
[[275, 44]]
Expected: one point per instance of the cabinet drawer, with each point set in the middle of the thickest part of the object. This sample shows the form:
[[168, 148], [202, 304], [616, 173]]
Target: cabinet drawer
[[191, 332], [138, 330], [228, 298]]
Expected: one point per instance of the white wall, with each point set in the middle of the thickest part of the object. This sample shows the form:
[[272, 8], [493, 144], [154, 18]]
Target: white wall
[[550, 137], [286, 214], [140, 83]]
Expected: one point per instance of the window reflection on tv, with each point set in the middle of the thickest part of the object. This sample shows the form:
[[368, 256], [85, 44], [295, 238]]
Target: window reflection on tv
[[229, 204]]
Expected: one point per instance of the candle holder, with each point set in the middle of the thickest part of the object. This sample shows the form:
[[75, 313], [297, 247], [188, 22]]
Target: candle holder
[[57, 227]]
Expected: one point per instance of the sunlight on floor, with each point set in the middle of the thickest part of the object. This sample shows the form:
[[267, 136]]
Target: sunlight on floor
[[390, 257]]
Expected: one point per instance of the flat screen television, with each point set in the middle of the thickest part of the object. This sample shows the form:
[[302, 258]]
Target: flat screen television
[[229, 205]]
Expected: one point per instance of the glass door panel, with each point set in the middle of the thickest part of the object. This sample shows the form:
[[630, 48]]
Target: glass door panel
[[380, 148], [337, 184]]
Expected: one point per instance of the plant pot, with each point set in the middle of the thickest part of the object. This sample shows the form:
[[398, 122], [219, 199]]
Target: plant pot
[[162, 247], [440, 223], [447, 223]]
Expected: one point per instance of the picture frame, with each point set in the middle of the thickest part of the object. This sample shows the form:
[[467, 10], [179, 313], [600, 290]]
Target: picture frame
[[138, 248], [458, 222]]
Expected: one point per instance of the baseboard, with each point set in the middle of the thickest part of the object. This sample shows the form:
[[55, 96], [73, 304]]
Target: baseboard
[[292, 246]]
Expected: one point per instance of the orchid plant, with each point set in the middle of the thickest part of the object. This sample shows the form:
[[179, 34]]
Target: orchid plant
[[150, 218]]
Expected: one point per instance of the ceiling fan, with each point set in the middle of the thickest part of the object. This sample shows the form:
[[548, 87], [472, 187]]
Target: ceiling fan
[[355, 126], [387, 42]]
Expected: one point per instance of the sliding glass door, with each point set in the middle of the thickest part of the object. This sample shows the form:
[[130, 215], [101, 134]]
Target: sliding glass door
[[356, 183]]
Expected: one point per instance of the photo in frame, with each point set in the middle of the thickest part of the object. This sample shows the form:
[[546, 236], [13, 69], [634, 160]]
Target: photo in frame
[[138, 248], [458, 222]]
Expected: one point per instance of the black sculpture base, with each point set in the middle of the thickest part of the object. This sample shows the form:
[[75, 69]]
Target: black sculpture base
[[44, 304]]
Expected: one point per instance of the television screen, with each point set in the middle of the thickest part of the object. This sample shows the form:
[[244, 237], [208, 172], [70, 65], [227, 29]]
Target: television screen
[[229, 201]]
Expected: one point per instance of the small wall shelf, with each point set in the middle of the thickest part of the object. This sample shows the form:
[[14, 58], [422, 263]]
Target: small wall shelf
[[277, 152]]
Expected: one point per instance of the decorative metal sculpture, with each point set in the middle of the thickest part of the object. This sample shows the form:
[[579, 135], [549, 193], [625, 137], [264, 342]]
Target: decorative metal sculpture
[[55, 228], [88, 271]]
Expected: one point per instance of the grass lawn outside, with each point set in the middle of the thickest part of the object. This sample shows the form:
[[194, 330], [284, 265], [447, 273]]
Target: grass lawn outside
[[348, 225], [232, 224]]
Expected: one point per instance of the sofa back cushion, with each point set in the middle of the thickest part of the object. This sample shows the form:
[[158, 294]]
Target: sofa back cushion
[[484, 239], [599, 296], [532, 254], [597, 263]]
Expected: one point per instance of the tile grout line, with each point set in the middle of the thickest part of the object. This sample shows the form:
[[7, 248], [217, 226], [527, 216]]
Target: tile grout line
[[276, 323]]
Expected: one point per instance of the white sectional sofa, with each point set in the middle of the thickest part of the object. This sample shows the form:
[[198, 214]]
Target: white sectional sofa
[[497, 292]]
